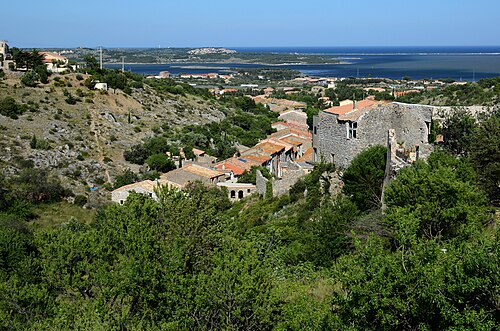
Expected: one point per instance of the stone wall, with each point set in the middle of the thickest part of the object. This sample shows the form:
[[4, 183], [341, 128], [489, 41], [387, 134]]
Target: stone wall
[[410, 123], [261, 183], [280, 186]]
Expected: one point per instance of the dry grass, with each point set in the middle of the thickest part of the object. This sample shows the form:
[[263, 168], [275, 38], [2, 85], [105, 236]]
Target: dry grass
[[55, 214]]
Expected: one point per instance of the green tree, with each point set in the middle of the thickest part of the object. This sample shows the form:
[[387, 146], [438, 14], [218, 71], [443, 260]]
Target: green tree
[[160, 162], [30, 79], [364, 177], [457, 131], [125, 178], [250, 176], [438, 199], [9, 107], [91, 63], [427, 287], [485, 152]]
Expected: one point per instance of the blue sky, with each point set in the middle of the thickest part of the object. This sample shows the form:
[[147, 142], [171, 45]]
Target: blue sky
[[236, 23]]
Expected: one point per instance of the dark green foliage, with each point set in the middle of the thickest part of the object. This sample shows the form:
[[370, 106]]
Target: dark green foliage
[[151, 175], [331, 230], [43, 74], [457, 131], [27, 60], [80, 200], [160, 162], [311, 112], [217, 139], [125, 178], [36, 185], [10, 108], [485, 152], [139, 153], [438, 199], [250, 176], [36, 143], [30, 79], [188, 153], [427, 287], [364, 177]]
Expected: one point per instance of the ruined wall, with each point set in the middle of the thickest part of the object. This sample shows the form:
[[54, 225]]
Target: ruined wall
[[279, 186], [261, 183], [408, 122]]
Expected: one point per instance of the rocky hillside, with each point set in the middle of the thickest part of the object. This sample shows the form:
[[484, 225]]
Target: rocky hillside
[[83, 142]]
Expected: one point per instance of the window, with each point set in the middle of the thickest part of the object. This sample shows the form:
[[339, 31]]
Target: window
[[248, 190], [332, 157], [240, 194], [150, 195], [233, 194], [315, 130], [121, 202], [315, 154], [352, 128]]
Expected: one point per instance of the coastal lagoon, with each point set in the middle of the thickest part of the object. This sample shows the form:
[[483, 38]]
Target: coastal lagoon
[[458, 63]]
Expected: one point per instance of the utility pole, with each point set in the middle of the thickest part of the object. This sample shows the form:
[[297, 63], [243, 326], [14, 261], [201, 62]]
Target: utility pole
[[100, 57]]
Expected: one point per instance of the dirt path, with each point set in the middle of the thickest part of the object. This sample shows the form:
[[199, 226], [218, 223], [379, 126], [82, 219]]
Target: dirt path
[[97, 135]]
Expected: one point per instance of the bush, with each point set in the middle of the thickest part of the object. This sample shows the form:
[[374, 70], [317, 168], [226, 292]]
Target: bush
[[160, 162], [30, 79], [9, 108], [364, 177], [125, 178], [80, 200]]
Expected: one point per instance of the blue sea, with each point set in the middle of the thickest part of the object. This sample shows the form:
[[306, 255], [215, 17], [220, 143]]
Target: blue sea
[[465, 63]]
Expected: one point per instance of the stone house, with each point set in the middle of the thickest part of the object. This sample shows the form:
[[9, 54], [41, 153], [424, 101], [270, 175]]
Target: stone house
[[294, 117], [340, 133], [181, 177], [238, 191], [236, 166], [146, 187]]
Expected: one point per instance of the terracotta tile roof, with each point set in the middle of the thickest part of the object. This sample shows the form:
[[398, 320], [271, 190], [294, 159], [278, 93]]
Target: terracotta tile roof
[[291, 140], [258, 158], [341, 110], [48, 57], [401, 93], [147, 185], [269, 148], [201, 171], [237, 165], [291, 129], [308, 156]]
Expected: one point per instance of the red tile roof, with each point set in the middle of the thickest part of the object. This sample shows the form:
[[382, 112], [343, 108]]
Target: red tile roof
[[341, 110]]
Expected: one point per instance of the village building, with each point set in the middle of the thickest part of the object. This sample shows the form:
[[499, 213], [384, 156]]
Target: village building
[[269, 154], [146, 187], [238, 191], [340, 133], [55, 62], [298, 134], [294, 117], [180, 178], [101, 86], [236, 166]]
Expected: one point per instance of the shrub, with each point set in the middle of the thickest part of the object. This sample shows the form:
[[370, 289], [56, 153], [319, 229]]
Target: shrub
[[30, 79], [364, 177], [80, 200], [160, 162]]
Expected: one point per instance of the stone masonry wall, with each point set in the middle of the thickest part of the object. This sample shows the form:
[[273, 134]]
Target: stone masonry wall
[[408, 122]]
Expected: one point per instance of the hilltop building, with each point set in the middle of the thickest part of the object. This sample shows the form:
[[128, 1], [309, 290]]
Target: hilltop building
[[340, 133]]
